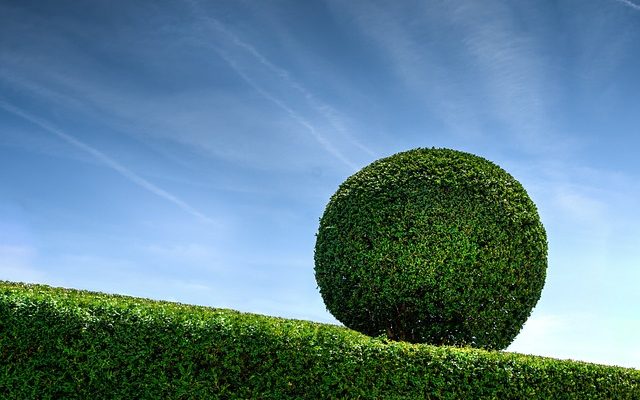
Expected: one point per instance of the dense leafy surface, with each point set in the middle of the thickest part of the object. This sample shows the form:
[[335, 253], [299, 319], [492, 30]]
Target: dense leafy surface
[[432, 246], [60, 343]]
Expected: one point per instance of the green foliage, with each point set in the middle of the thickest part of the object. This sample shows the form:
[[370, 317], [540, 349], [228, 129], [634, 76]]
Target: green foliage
[[68, 344], [432, 246]]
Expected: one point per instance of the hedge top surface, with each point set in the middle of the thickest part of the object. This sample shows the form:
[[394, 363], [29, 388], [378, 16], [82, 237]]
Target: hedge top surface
[[432, 245], [63, 343]]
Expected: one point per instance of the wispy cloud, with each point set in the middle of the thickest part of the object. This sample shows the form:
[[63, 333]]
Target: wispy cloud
[[630, 4], [106, 160], [580, 207], [415, 64], [327, 111], [324, 142], [489, 74], [211, 122], [512, 70], [319, 107]]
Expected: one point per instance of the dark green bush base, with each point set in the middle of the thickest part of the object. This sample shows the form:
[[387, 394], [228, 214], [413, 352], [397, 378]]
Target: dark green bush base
[[69, 344]]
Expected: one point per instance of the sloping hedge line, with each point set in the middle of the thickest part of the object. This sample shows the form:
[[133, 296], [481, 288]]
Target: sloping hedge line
[[60, 343]]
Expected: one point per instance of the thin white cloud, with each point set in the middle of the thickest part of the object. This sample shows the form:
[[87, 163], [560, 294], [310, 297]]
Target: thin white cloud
[[324, 142], [186, 120], [417, 66], [323, 109], [512, 78], [490, 74], [630, 4], [106, 160], [580, 207], [320, 107], [94, 95], [514, 82]]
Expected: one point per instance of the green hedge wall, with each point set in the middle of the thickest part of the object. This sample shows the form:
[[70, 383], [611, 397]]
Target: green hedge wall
[[60, 343]]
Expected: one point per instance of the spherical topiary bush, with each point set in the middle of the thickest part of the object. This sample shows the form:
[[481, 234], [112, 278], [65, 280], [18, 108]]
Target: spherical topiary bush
[[432, 246]]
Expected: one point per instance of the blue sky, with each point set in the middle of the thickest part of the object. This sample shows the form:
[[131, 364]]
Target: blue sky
[[185, 150]]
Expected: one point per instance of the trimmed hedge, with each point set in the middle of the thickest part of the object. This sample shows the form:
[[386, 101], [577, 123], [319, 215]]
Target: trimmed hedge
[[61, 343], [432, 246]]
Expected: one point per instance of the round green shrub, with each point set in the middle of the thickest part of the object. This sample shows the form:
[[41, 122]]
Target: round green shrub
[[432, 246]]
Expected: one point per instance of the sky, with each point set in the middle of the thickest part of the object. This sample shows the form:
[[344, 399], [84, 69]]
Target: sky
[[185, 150]]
